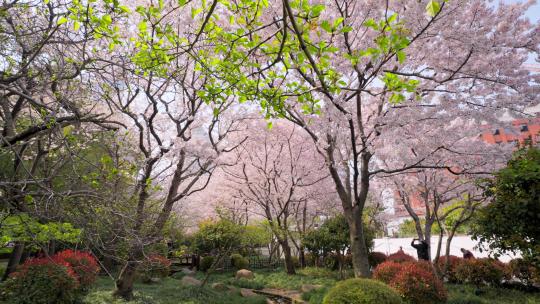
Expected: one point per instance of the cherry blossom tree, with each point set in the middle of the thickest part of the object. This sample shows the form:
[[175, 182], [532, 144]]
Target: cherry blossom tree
[[364, 78], [277, 175]]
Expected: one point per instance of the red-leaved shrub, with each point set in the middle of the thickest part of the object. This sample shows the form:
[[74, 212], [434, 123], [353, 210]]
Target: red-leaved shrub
[[155, 266], [41, 281], [480, 272], [453, 262], [417, 283], [524, 271], [83, 264], [375, 258], [386, 271], [400, 257]]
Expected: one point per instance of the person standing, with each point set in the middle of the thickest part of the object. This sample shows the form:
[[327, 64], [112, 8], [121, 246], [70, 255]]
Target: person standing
[[467, 254], [421, 247]]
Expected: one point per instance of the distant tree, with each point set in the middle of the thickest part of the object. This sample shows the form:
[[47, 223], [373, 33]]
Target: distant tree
[[509, 222], [334, 237]]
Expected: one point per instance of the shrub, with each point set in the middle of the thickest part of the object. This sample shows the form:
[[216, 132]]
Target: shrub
[[375, 258], [48, 281], [239, 262], [206, 263], [453, 262], [361, 291], [480, 272], [83, 264], [155, 266], [524, 271], [386, 271], [417, 283], [400, 257], [310, 259]]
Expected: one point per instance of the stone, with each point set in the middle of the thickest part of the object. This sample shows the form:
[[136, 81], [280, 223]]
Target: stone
[[220, 287], [190, 281], [246, 293], [244, 274], [155, 280], [188, 272], [270, 301], [310, 287]]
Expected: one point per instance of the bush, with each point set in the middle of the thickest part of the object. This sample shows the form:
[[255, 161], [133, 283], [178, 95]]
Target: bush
[[417, 283], [453, 262], [400, 257], [480, 272], [375, 258], [386, 271], [155, 266], [524, 271], [83, 264], [361, 291], [206, 263], [48, 281], [239, 262]]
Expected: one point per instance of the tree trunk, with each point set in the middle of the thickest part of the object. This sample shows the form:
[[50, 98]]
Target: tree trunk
[[302, 257], [124, 284], [126, 278], [359, 250], [289, 264], [14, 259]]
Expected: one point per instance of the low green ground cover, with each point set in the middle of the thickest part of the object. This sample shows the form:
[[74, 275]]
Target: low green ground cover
[[170, 290]]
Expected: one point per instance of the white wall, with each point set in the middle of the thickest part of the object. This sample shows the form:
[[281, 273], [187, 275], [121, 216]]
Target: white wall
[[391, 245]]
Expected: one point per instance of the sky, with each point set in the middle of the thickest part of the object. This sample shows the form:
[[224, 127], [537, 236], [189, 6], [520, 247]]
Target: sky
[[534, 11]]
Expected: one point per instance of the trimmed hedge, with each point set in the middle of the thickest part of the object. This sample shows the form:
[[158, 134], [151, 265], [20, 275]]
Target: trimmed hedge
[[41, 281], [453, 262], [400, 257], [83, 264], [239, 262], [481, 272], [386, 271], [416, 282], [206, 263], [375, 258], [524, 271], [361, 291]]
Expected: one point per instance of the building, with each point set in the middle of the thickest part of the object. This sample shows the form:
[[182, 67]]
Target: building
[[521, 131]]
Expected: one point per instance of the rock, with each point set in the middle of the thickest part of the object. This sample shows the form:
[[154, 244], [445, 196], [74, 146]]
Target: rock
[[220, 287], [190, 281], [270, 301], [310, 287], [155, 280], [246, 293], [188, 272], [244, 274]]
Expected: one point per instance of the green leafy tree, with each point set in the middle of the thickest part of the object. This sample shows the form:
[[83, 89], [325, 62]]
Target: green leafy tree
[[509, 222], [334, 237]]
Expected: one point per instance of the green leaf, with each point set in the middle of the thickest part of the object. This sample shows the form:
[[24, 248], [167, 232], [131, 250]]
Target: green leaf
[[346, 29], [62, 20], [433, 7], [401, 56], [326, 26]]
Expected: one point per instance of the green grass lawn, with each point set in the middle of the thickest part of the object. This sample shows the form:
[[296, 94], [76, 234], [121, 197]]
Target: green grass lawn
[[170, 290]]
